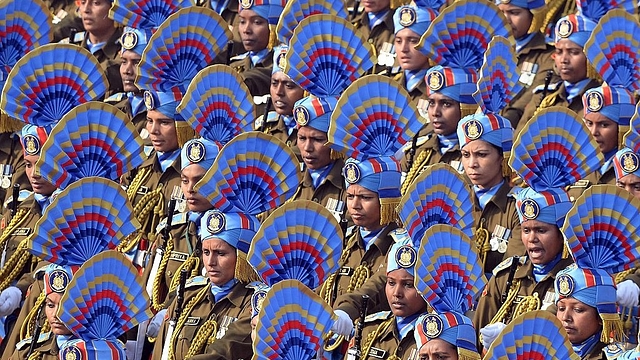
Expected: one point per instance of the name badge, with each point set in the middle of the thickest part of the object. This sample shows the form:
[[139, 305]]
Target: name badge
[[192, 321], [179, 256], [143, 190], [21, 232], [377, 353]]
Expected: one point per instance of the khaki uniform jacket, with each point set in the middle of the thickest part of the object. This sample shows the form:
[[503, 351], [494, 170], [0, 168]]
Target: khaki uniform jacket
[[169, 179], [11, 154], [500, 211], [34, 291], [433, 156], [388, 342], [278, 129], [537, 52], [46, 346], [185, 241], [375, 259], [232, 314], [258, 77], [121, 102], [331, 193], [560, 99], [380, 34], [595, 178], [491, 298], [108, 57], [418, 92], [597, 353]]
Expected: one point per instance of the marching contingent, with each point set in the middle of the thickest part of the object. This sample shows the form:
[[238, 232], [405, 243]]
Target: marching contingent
[[319, 179]]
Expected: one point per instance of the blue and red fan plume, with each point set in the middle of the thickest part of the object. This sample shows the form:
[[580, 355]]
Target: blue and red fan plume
[[300, 240], [297, 10], [93, 139], [145, 14], [88, 217]]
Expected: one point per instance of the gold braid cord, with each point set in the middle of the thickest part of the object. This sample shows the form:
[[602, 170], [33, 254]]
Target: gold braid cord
[[183, 318], [141, 177], [327, 287], [360, 275], [482, 241], [372, 337], [14, 266], [416, 168], [203, 337], [29, 324], [156, 304], [623, 274], [15, 222], [192, 264], [129, 242], [528, 303], [152, 201], [505, 309]]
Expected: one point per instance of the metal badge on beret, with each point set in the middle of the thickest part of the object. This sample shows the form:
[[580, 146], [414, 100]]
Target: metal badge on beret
[[281, 61], [435, 80], [31, 144], [196, 151], [630, 162], [407, 16], [566, 284], [406, 256], [216, 222], [71, 353], [301, 114], [595, 101], [246, 4], [149, 101], [352, 173], [432, 326], [58, 280], [129, 40], [472, 129], [565, 28], [530, 209]]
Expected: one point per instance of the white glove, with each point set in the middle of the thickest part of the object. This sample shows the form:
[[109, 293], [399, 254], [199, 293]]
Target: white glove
[[9, 300], [343, 325], [627, 294], [490, 333], [154, 325]]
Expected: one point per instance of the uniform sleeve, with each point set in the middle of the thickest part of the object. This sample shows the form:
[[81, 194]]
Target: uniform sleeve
[[488, 306], [374, 286], [162, 334]]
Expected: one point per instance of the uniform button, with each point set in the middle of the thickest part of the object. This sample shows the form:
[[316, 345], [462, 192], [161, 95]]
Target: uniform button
[[169, 274], [316, 200], [370, 41], [399, 349]]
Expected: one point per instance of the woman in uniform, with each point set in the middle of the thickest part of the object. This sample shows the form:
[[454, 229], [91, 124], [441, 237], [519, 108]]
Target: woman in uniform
[[212, 315]]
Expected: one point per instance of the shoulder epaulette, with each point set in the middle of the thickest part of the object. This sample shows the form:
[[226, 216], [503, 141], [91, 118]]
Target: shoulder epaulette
[[382, 315], [421, 140], [505, 264], [196, 281], [22, 196], [350, 231], [551, 87], [24, 343], [398, 234], [580, 184], [116, 98], [178, 219], [78, 37], [239, 57], [514, 191], [613, 351]]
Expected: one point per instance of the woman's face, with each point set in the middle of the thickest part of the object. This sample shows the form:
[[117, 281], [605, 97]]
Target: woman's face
[[219, 260], [578, 319], [50, 309], [364, 207], [482, 163], [402, 296]]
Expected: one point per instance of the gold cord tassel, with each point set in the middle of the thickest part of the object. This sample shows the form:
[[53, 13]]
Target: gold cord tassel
[[184, 132], [244, 272], [336, 155], [466, 354], [467, 109], [273, 37], [388, 210], [612, 328], [9, 124]]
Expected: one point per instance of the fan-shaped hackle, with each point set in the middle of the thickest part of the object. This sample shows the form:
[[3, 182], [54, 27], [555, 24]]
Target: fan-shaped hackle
[[595, 10], [24, 26], [460, 35], [555, 149], [498, 81], [93, 139], [253, 173], [218, 104], [300, 240], [374, 117], [326, 54], [440, 195], [184, 44], [50, 81], [537, 335], [105, 298], [90, 216], [145, 15], [293, 322], [448, 272], [614, 49], [602, 229], [298, 10], [632, 136]]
